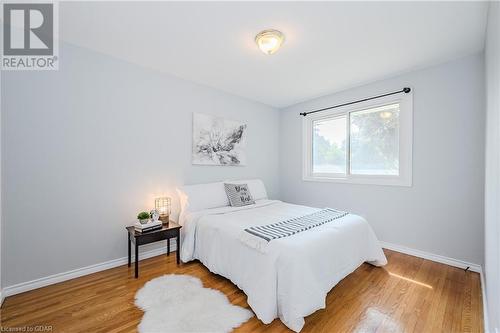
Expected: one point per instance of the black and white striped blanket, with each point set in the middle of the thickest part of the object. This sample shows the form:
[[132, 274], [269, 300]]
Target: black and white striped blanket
[[295, 225]]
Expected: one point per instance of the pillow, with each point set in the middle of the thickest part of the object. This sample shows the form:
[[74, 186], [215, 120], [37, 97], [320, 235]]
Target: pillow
[[213, 195], [202, 196], [256, 187], [238, 195]]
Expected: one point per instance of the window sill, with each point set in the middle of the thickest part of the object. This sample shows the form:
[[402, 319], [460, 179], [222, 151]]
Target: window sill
[[368, 180]]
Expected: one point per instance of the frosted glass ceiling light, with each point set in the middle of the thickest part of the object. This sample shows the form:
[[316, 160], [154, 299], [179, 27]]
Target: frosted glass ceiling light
[[269, 41]]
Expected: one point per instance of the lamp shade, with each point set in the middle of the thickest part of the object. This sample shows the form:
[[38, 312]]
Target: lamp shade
[[162, 205]]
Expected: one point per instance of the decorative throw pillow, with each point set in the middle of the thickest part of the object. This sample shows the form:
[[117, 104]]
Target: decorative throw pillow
[[238, 195]]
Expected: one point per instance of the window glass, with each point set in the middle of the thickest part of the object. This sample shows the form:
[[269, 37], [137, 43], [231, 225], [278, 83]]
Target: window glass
[[329, 145], [374, 141]]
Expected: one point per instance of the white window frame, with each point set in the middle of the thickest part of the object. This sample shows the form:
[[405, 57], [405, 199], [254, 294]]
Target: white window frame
[[405, 143]]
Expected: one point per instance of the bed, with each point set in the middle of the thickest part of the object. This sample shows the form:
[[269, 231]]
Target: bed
[[291, 277]]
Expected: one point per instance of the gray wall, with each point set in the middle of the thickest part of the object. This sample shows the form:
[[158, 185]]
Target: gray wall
[[442, 212], [87, 147], [492, 190]]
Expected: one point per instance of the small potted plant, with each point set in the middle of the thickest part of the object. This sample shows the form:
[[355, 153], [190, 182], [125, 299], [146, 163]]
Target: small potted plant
[[143, 217]]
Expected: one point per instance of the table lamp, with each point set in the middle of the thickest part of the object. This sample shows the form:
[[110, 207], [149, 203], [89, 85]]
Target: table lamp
[[162, 205]]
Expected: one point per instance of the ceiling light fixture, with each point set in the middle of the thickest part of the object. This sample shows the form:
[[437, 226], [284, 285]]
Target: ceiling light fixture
[[269, 41]]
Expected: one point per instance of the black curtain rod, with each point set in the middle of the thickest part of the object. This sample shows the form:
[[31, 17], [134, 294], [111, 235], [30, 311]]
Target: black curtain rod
[[404, 90]]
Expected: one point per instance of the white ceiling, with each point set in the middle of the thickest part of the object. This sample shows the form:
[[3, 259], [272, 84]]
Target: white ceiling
[[329, 46]]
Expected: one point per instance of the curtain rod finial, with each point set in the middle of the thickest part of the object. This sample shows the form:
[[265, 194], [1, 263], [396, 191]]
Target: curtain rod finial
[[406, 90], [303, 114]]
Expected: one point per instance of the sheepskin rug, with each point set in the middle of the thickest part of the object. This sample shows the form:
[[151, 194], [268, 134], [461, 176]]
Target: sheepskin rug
[[179, 303]]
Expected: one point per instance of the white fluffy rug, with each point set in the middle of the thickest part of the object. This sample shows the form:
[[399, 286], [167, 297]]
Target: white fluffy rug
[[179, 303]]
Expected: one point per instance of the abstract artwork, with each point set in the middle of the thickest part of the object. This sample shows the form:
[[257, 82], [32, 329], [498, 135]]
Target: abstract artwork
[[218, 141]]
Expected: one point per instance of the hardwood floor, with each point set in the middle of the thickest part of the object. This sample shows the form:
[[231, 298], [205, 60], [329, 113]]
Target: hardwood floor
[[408, 295]]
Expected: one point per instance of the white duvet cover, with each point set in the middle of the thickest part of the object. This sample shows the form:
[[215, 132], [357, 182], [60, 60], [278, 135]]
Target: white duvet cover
[[292, 279]]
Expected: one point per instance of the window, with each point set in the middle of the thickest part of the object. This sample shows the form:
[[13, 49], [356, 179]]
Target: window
[[364, 143]]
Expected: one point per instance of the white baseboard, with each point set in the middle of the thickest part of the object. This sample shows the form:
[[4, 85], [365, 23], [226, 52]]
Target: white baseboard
[[485, 305], [433, 257], [60, 277], [2, 297]]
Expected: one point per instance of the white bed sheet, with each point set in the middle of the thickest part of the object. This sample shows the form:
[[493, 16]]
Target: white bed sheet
[[292, 279]]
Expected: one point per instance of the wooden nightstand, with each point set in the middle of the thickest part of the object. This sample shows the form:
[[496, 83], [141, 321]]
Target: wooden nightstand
[[170, 230]]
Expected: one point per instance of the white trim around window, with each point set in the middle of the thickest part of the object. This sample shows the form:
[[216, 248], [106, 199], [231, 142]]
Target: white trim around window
[[404, 176]]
